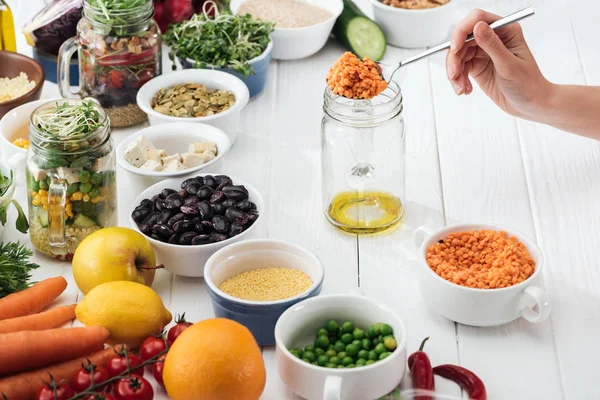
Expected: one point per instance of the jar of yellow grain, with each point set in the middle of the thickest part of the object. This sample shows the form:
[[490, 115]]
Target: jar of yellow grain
[[71, 180], [363, 160]]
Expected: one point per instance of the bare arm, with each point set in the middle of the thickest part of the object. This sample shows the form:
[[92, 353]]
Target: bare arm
[[573, 109]]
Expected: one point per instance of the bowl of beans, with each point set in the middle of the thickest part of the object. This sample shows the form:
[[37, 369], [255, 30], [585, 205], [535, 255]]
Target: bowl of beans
[[188, 219], [254, 281], [481, 275]]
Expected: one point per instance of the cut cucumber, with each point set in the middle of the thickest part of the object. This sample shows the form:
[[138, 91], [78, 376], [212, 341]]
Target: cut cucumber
[[81, 221], [43, 218], [359, 33]]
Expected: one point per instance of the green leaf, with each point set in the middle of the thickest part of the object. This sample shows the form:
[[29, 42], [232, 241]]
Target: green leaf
[[22, 223]]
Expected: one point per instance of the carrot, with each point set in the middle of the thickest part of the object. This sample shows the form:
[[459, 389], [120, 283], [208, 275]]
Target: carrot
[[32, 300], [52, 318], [25, 386], [22, 351]]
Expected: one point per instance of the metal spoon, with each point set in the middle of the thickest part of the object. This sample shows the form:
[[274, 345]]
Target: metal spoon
[[519, 15]]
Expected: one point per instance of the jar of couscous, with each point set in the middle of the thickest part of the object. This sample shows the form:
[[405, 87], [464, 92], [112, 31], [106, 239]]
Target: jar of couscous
[[71, 180], [363, 161]]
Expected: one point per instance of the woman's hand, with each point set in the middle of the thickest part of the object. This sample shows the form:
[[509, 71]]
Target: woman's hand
[[501, 64]]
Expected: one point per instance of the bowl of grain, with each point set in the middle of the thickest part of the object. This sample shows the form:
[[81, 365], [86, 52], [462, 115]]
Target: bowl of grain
[[21, 80], [254, 281], [302, 27], [481, 275]]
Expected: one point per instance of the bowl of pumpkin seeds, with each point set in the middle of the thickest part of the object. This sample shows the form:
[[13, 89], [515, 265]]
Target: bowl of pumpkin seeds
[[195, 95]]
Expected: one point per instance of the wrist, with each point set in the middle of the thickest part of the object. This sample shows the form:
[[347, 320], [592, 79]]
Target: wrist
[[547, 104]]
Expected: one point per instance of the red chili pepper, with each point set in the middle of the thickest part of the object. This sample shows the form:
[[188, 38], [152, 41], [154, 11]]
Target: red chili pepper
[[465, 378], [421, 372]]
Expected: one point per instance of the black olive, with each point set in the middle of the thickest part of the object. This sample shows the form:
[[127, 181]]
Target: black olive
[[218, 209], [147, 203], [165, 216], [189, 210], [162, 231], [193, 188], [235, 229], [207, 226], [190, 201], [174, 239], [173, 201], [206, 210], [204, 192], [139, 215], [236, 215], [236, 194], [245, 205], [183, 193], [218, 237], [166, 192], [175, 218], [200, 239], [186, 238], [228, 203], [183, 226], [158, 205], [221, 223], [210, 181], [225, 181], [217, 197]]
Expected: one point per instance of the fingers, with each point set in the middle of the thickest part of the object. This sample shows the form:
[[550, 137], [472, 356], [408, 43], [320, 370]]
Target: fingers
[[466, 26], [489, 42]]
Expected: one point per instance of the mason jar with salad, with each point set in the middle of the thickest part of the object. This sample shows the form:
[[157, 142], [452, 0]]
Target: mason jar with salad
[[71, 180], [119, 49]]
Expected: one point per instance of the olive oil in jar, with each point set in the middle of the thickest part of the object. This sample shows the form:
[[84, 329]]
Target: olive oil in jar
[[366, 213], [7, 28]]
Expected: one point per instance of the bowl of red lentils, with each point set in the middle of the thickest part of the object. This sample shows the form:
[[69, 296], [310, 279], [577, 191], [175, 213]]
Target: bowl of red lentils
[[254, 281], [481, 275]]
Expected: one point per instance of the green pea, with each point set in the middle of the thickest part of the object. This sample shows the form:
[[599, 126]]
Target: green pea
[[377, 329], [339, 346], [84, 176], [94, 193], [363, 354], [351, 366], [322, 342], [390, 343], [371, 331], [97, 178], [347, 361], [373, 356], [347, 327], [296, 353], [369, 362], [73, 188], [310, 347], [85, 187], [330, 365], [34, 186], [384, 355], [376, 341], [346, 338], [361, 362], [386, 330], [309, 355], [322, 332], [357, 342], [366, 343], [323, 360], [319, 351], [44, 185], [332, 326], [306, 360], [334, 360], [358, 334], [380, 348], [331, 353], [341, 355], [352, 350]]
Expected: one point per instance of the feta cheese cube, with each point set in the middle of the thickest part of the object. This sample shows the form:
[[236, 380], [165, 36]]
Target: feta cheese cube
[[152, 154], [102, 163], [206, 156], [161, 153], [166, 160], [37, 173], [191, 160], [200, 147], [152, 165], [173, 165], [134, 154], [71, 175]]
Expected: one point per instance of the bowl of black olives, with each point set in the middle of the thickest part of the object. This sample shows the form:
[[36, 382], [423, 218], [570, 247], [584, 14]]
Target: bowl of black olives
[[186, 220]]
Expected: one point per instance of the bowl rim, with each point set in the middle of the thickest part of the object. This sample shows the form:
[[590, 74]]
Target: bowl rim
[[242, 95], [36, 88], [379, 4], [212, 287], [254, 60], [531, 246], [37, 103], [335, 16], [259, 201], [161, 174], [401, 345]]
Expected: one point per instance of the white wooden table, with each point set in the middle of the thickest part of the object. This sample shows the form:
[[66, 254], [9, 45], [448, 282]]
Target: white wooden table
[[466, 161]]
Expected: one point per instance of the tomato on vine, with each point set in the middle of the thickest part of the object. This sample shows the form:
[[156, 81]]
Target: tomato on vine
[[133, 388], [175, 331], [118, 364], [82, 379], [54, 391], [157, 369], [152, 346]]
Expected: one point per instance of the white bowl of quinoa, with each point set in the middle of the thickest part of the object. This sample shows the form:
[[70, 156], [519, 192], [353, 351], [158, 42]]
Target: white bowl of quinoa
[[302, 27]]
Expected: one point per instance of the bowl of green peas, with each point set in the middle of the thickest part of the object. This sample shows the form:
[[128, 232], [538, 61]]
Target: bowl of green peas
[[345, 347]]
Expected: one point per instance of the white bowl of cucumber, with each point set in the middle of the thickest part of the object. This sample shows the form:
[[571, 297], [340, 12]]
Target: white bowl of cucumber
[[297, 43]]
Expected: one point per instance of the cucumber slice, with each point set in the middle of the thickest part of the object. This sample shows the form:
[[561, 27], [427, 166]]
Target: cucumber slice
[[43, 218], [359, 34], [81, 221]]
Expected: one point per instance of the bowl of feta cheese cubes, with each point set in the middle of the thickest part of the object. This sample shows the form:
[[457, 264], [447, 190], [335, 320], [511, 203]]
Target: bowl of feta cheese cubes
[[173, 149]]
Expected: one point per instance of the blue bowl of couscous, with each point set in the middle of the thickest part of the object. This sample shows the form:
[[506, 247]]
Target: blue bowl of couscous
[[254, 281]]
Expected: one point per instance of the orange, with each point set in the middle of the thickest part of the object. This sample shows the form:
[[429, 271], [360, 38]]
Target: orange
[[215, 359]]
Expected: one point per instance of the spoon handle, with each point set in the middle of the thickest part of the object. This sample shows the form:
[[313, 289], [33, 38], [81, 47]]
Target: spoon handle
[[519, 15]]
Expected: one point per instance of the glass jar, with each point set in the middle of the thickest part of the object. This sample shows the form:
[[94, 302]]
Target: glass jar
[[363, 161], [71, 184], [119, 51]]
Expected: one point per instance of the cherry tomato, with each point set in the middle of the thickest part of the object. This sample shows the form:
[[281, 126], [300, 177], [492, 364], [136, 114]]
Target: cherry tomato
[[118, 364], [157, 369], [134, 388], [175, 331], [82, 379], [48, 391], [152, 346], [100, 396], [117, 78]]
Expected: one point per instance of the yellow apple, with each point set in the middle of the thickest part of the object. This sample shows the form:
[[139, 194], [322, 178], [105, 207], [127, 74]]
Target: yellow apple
[[113, 254]]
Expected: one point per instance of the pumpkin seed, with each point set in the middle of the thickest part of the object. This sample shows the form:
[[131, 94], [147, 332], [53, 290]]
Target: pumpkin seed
[[191, 100]]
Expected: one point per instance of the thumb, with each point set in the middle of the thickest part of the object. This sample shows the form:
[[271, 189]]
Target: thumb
[[487, 39]]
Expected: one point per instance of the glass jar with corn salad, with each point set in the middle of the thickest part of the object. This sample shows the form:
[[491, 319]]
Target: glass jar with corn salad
[[71, 179]]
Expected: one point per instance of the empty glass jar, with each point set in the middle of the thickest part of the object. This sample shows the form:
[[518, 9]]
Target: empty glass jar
[[363, 161]]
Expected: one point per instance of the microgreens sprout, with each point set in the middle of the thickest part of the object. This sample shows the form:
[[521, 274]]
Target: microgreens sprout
[[69, 120]]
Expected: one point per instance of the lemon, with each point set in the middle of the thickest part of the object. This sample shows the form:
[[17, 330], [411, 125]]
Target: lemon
[[130, 311]]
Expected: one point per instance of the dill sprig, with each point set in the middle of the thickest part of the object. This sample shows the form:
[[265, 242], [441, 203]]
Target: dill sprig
[[15, 268]]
